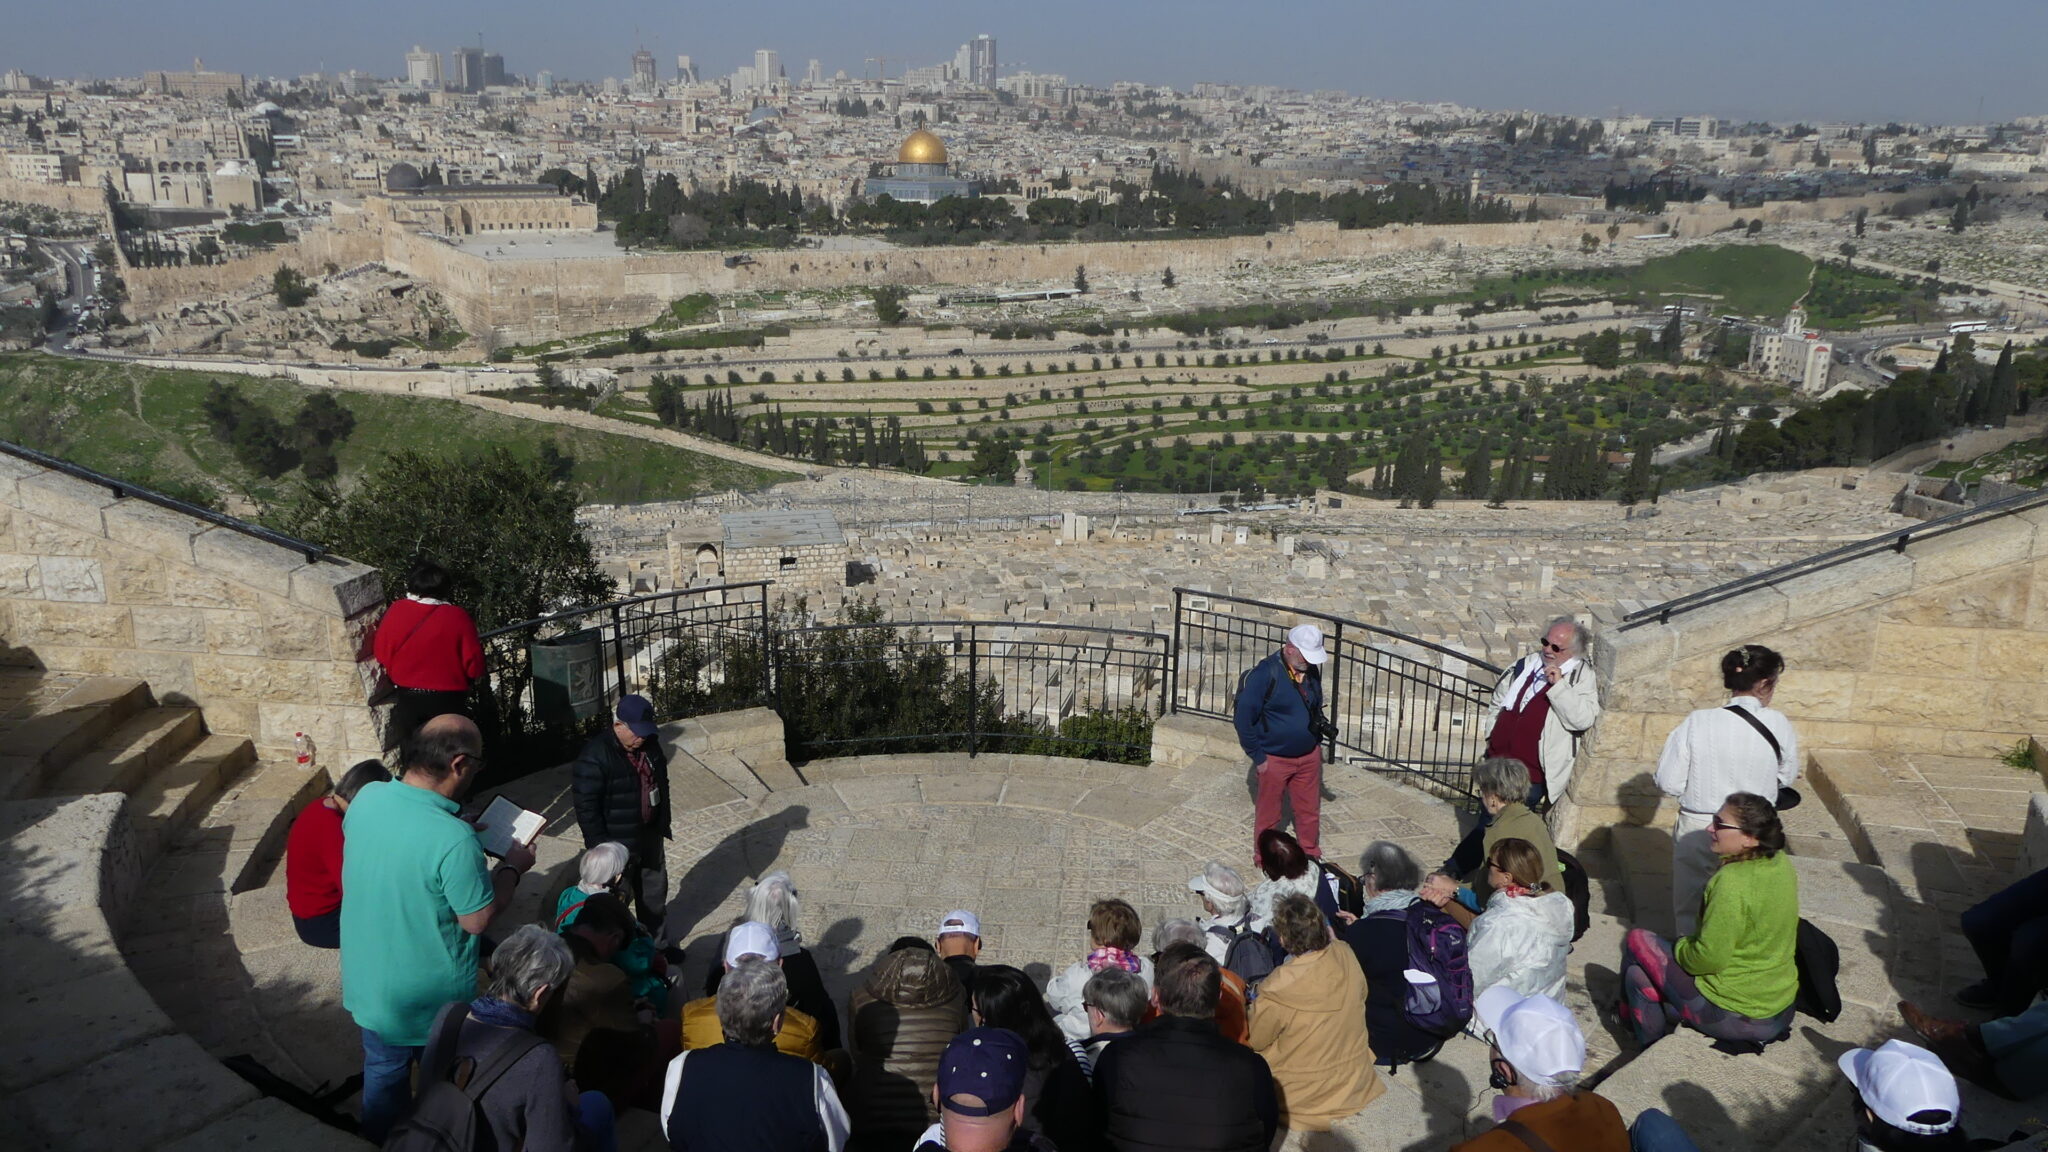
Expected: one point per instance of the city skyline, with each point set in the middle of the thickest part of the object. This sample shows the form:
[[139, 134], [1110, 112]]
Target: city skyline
[[1794, 60]]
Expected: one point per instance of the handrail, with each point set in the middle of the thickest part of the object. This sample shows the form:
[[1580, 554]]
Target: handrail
[[122, 489], [611, 605], [1893, 541], [1403, 637], [1133, 633]]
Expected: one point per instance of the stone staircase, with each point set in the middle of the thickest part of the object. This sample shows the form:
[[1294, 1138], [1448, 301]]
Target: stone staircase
[[106, 793]]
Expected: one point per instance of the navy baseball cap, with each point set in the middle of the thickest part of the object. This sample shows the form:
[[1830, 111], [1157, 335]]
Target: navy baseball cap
[[637, 714], [982, 1072]]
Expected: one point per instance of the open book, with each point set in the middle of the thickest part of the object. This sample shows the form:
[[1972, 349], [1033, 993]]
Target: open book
[[504, 823]]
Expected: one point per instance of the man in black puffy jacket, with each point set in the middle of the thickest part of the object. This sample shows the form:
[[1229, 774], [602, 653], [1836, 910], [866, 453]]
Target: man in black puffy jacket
[[1179, 1085], [621, 781]]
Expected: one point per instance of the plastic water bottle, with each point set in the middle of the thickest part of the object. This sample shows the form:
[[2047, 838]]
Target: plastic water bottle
[[302, 746]]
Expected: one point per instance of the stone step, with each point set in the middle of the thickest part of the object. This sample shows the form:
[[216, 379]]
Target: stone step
[[178, 797], [129, 754], [65, 729], [1943, 824], [255, 815], [732, 770], [1811, 830], [1642, 855]]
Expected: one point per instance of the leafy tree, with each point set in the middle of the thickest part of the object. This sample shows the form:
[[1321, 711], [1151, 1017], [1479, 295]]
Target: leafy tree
[[1081, 279], [889, 300], [1960, 219], [1756, 227], [1167, 279], [1478, 476], [1641, 469], [290, 286], [503, 525]]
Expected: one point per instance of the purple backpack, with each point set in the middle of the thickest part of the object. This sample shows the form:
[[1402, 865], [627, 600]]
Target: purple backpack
[[1436, 946]]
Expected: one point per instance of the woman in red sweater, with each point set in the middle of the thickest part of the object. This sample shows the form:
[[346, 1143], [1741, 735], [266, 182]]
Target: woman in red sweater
[[430, 650], [312, 859]]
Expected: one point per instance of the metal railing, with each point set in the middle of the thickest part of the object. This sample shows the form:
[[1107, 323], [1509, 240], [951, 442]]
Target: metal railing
[[969, 686], [1894, 541], [1400, 704], [551, 681], [122, 489]]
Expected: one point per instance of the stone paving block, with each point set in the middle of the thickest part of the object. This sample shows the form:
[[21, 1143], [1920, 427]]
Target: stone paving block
[[266, 1124], [875, 792], [59, 1027], [166, 1088], [1049, 794], [962, 788], [1128, 807]]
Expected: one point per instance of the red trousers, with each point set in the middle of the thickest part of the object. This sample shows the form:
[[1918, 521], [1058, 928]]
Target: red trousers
[[1301, 778]]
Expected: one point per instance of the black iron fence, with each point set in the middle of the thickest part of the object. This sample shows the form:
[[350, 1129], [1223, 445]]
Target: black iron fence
[[1400, 704], [873, 686], [551, 682], [969, 686]]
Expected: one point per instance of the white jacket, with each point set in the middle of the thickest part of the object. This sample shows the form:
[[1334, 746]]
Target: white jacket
[[1063, 995], [1521, 941], [1574, 707]]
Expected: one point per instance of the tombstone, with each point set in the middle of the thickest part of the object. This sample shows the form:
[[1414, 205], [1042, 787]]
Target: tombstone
[[1315, 568], [1244, 535], [1546, 579], [1215, 533], [1287, 545]]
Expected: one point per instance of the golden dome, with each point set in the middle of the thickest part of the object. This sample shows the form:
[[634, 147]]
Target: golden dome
[[922, 148]]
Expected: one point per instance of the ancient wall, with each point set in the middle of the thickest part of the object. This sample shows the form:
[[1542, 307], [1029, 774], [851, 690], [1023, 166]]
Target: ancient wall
[[64, 197], [153, 288], [1942, 649], [797, 563], [265, 643]]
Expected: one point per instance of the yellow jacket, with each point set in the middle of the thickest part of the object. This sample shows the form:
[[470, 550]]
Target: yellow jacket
[[1309, 1024], [799, 1035]]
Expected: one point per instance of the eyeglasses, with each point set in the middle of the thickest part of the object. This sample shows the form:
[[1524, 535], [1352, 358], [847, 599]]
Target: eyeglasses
[[1716, 825], [1549, 647]]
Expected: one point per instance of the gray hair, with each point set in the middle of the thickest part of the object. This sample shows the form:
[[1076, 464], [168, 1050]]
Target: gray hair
[[1229, 897], [1582, 636], [1179, 930], [600, 866], [1388, 867], [773, 902], [530, 959], [749, 999], [1121, 996], [1562, 1084], [1502, 777]]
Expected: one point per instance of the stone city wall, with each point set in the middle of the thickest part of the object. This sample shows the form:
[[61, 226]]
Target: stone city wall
[[155, 288], [526, 301], [264, 643], [87, 198], [1942, 649]]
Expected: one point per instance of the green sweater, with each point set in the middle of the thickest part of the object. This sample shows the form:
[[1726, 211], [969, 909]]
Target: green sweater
[[1742, 954]]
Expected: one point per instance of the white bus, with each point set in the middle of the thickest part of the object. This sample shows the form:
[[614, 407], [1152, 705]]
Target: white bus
[[1960, 326]]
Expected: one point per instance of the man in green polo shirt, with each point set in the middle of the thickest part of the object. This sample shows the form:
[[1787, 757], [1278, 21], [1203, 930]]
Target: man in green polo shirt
[[420, 891]]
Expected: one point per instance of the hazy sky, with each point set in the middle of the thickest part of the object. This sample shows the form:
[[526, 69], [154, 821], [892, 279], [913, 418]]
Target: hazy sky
[[1780, 59]]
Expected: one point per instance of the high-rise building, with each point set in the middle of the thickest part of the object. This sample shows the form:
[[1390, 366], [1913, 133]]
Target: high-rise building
[[544, 80], [466, 69], [686, 70], [982, 73], [814, 72], [494, 70], [423, 68], [643, 70], [767, 67]]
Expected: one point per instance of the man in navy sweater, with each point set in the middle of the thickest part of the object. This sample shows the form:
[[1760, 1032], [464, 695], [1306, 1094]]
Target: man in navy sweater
[[1275, 704]]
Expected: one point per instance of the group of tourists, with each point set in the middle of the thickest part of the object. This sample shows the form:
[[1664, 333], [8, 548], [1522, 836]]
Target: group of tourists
[[1281, 1003]]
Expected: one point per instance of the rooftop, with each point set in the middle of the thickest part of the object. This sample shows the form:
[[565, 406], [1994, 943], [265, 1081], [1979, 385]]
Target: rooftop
[[779, 529]]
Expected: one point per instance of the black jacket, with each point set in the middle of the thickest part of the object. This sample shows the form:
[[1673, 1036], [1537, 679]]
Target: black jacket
[[608, 792], [1177, 1085], [1380, 942]]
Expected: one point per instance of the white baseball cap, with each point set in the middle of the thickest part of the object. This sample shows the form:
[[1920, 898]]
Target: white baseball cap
[[752, 938], [1308, 640], [1899, 1080], [1535, 1033], [960, 922]]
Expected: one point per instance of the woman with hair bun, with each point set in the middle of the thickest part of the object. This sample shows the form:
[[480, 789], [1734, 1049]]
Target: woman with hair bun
[[1744, 746], [1734, 979]]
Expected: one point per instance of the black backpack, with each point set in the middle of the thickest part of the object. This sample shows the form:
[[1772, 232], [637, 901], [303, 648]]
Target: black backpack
[[448, 1116], [1252, 955], [1818, 961], [1348, 889]]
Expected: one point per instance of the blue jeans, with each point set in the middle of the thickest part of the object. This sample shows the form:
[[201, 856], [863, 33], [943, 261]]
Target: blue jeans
[[1654, 1131], [595, 1116], [2009, 930], [387, 1084]]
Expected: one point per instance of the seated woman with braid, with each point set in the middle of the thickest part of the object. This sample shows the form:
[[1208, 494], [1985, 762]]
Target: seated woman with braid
[[1734, 979]]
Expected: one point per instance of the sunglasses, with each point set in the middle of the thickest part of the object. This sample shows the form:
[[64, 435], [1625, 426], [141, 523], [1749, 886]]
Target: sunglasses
[[1549, 647], [1716, 825]]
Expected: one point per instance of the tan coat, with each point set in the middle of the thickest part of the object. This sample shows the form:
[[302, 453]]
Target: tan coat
[[1516, 822], [1309, 1024]]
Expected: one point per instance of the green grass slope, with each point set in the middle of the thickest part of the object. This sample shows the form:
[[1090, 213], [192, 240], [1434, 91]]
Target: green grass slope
[[145, 425]]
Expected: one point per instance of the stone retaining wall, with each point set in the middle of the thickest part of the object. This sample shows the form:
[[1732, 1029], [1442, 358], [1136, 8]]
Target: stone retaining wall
[[267, 644], [1940, 649]]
